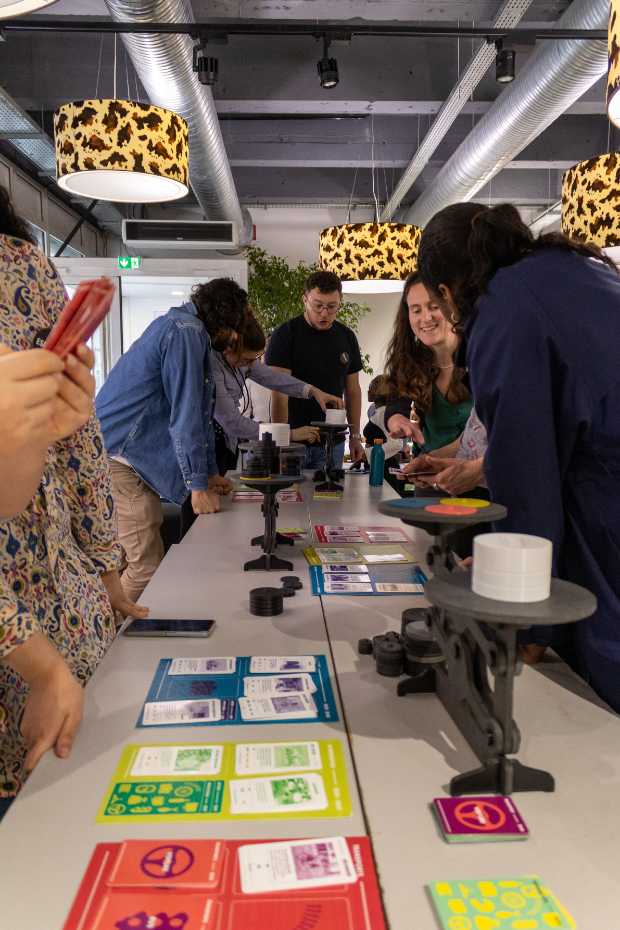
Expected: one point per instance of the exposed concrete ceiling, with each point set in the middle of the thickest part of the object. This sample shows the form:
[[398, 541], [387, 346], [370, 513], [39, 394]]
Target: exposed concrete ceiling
[[288, 140]]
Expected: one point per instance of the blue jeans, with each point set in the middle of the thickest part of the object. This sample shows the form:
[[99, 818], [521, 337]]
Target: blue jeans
[[315, 456]]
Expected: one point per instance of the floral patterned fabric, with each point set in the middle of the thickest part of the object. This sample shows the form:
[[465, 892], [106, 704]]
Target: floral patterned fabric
[[53, 553]]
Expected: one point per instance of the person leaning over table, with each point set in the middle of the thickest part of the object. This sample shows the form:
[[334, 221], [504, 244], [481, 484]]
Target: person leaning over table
[[316, 348], [233, 416], [156, 411], [59, 584], [425, 381], [541, 319]]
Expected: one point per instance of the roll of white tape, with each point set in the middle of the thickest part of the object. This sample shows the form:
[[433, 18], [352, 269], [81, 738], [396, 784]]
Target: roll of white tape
[[280, 432], [512, 567], [335, 416]]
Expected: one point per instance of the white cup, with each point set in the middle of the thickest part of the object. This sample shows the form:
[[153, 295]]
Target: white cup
[[280, 433], [512, 567], [336, 416]]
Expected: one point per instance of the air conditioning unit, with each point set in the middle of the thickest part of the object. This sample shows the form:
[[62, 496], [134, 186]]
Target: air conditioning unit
[[171, 235]]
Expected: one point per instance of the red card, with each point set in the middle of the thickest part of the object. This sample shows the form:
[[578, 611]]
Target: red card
[[81, 316], [176, 864], [159, 910]]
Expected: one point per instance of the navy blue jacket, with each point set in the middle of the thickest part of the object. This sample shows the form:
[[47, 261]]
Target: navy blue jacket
[[544, 359]]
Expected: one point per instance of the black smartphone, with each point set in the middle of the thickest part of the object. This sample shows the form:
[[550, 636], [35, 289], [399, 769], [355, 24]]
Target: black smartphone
[[155, 627]]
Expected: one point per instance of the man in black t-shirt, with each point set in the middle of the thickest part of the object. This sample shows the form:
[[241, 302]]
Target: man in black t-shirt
[[316, 348]]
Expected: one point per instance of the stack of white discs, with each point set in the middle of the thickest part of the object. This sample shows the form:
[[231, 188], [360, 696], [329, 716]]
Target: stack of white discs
[[512, 567], [280, 433], [335, 416]]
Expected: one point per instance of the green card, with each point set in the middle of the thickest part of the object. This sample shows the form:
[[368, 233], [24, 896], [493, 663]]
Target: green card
[[158, 782], [498, 904]]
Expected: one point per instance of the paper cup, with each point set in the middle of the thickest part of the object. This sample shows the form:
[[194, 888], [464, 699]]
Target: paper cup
[[280, 432]]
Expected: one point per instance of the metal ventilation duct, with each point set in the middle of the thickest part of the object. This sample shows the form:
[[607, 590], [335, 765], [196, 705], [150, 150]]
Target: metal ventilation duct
[[555, 76], [509, 14], [164, 65]]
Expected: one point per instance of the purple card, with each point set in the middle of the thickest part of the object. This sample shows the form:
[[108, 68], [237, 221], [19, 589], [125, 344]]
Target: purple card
[[480, 818]]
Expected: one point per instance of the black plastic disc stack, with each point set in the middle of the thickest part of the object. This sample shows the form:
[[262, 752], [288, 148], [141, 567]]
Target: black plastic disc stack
[[266, 602]]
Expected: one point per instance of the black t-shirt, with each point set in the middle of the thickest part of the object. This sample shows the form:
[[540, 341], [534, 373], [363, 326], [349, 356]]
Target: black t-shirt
[[323, 358]]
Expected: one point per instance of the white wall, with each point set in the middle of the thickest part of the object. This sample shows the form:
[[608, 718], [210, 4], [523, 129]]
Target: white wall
[[374, 334]]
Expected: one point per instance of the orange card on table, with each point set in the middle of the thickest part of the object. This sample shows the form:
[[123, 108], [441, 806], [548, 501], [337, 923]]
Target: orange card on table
[[164, 910], [165, 864]]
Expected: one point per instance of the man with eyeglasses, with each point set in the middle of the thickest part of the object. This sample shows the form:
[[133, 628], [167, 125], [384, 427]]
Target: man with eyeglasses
[[316, 348]]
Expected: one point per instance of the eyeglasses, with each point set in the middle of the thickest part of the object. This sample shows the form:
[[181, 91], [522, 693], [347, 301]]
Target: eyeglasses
[[317, 306]]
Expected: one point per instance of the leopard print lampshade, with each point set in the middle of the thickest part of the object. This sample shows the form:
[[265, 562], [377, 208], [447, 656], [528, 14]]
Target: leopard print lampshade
[[369, 253], [613, 51], [121, 150], [591, 200]]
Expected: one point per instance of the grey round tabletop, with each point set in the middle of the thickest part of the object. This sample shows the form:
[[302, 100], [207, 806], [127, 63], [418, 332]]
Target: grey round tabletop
[[275, 481], [331, 427], [413, 511], [568, 602]]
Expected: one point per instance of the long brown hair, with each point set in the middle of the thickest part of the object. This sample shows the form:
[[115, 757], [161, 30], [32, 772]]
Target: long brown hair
[[464, 245], [251, 336], [411, 367]]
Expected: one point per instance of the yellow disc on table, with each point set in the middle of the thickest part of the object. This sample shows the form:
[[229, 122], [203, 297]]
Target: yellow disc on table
[[464, 502]]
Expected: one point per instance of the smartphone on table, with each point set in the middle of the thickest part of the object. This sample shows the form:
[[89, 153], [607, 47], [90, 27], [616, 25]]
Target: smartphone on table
[[81, 316], [161, 627]]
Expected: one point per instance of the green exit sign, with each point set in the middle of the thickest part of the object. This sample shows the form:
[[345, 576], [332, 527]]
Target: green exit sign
[[126, 262]]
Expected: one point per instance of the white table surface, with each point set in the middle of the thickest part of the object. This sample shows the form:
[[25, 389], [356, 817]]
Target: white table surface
[[405, 749]]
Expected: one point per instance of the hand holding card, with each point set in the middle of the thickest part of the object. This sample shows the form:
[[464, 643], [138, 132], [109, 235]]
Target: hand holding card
[[80, 317]]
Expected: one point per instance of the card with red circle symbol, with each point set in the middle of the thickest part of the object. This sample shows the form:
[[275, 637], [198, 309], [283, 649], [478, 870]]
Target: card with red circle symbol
[[483, 819], [174, 864]]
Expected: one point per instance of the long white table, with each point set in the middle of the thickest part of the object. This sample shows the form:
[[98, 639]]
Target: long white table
[[405, 749]]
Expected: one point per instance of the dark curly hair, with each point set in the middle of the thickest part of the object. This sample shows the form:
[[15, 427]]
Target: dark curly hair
[[10, 223], [325, 281], [464, 245], [411, 367], [221, 304]]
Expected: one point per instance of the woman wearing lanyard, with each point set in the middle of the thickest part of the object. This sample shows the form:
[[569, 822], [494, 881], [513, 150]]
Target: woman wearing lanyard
[[233, 406], [541, 317], [425, 380]]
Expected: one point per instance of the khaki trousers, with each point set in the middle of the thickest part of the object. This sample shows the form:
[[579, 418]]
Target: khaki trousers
[[139, 516]]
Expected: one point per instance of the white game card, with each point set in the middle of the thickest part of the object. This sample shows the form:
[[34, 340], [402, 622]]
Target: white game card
[[210, 665], [354, 568], [338, 555], [294, 864], [348, 579], [267, 758], [283, 707], [282, 794], [160, 713], [398, 587], [342, 587], [177, 760], [271, 665], [385, 557], [274, 685]]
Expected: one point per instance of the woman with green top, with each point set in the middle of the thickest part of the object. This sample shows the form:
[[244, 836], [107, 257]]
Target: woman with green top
[[428, 389]]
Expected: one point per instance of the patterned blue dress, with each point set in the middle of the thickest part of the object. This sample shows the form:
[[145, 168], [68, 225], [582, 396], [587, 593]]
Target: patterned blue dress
[[53, 553]]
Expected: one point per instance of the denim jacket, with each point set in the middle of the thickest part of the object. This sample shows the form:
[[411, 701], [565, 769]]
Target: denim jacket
[[156, 407]]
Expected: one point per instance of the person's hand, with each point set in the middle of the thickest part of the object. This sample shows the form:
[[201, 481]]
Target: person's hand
[[219, 485], [30, 382], [458, 475], [119, 600], [205, 502], [53, 709], [400, 427], [74, 403], [422, 464], [324, 399], [309, 434], [356, 450]]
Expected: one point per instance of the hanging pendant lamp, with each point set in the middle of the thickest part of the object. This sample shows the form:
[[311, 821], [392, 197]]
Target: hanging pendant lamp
[[613, 74], [591, 200], [122, 151], [370, 257]]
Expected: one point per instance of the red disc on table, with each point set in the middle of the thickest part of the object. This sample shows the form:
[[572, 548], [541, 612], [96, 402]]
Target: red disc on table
[[450, 510]]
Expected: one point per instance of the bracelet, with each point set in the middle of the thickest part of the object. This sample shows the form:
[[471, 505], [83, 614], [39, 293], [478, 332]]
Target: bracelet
[[355, 435]]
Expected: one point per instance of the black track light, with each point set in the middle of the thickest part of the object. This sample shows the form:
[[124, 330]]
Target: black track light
[[205, 66], [327, 67], [504, 64]]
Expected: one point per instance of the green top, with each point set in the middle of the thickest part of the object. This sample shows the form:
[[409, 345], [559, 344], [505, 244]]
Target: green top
[[444, 422]]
